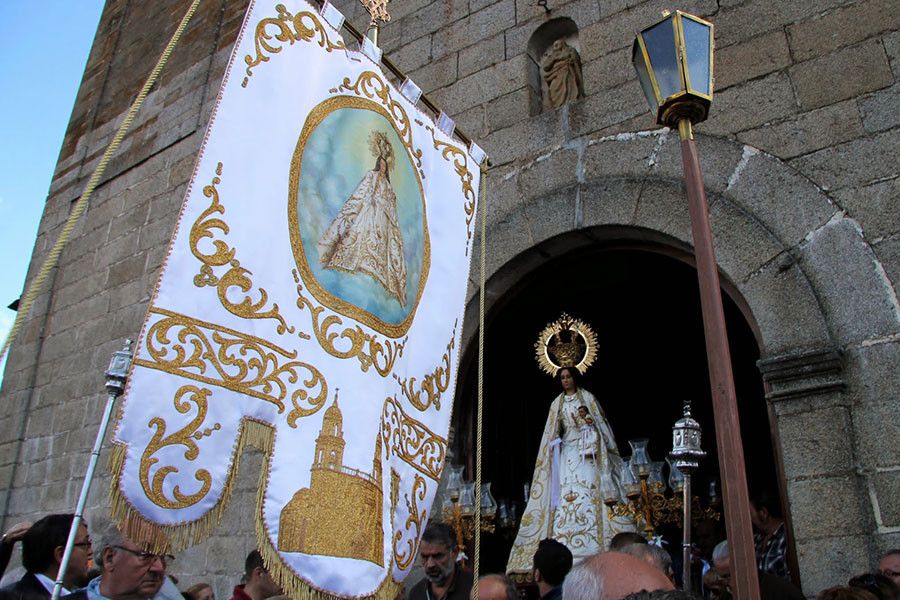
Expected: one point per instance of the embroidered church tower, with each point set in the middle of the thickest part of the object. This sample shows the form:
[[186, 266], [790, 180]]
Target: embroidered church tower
[[337, 513]]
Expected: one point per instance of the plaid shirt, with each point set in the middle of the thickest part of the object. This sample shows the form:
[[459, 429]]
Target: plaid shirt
[[771, 553]]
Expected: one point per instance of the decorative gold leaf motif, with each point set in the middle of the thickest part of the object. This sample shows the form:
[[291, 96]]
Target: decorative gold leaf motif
[[433, 384], [367, 348], [414, 521], [288, 29], [411, 441], [460, 160], [216, 355], [371, 85], [182, 437], [236, 276]]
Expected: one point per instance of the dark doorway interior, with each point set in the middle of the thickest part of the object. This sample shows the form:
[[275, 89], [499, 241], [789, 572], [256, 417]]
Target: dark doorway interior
[[645, 309]]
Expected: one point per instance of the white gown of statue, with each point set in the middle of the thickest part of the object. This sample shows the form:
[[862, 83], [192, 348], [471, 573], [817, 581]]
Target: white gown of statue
[[566, 502], [364, 237]]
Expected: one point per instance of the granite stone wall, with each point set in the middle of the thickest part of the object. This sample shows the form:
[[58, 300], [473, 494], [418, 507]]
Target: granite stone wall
[[801, 162]]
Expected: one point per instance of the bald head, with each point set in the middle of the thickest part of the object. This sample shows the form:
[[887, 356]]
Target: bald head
[[612, 576], [495, 587]]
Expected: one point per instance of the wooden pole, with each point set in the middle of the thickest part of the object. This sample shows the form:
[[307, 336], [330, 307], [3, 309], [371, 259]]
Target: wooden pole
[[744, 581]]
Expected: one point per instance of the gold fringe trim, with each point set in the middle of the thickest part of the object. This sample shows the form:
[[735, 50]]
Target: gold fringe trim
[[175, 538]]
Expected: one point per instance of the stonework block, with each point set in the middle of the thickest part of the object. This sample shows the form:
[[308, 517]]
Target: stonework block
[[842, 27], [525, 138], [476, 26], [887, 492], [789, 205], [607, 71], [809, 446], [626, 156], [786, 310], [507, 238], [858, 162], [718, 160], [436, 74], [607, 108], [503, 192], [807, 132], [831, 561], [892, 47], [485, 85], [550, 172], [551, 214], [742, 245], [874, 207], [432, 17], [127, 270], [482, 55], [749, 19], [888, 253], [738, 107], [877, 423], [857, 301], [881, 110], [751, 59], [609, 201], [662, 206], [508, 110], [849, 72], [822, 506], [413, 55]]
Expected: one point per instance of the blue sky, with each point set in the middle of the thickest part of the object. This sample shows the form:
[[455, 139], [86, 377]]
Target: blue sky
[[43, 50]]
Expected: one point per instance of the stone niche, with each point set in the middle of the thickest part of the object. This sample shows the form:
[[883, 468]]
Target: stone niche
[[540, 45]]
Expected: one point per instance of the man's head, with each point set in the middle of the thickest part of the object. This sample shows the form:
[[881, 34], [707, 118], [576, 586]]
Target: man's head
[[127, 571], [495, 587], [258, 584], [626, 538], [612, 576], [889, 565], [764, 509], [44, 544], [661, 595], [552, 562], [438, 552], [652, 555]]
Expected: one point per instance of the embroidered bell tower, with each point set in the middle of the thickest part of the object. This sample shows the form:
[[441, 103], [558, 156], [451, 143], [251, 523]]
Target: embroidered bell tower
[[330, 443]]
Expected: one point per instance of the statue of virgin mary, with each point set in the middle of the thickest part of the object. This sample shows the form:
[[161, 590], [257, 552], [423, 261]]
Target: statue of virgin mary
[[365, 237], [578, 461]]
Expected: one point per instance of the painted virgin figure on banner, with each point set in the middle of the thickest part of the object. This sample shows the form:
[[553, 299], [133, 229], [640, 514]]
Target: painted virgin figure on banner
[[578, 461], [365, 237]]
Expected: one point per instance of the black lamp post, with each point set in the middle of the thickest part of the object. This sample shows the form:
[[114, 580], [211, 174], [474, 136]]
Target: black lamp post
[[674, 63]]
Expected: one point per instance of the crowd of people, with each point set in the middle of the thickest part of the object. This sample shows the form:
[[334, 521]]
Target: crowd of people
[[104, 564]]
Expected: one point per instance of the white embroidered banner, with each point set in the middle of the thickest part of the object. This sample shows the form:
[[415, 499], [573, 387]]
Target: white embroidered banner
[[311, 305]]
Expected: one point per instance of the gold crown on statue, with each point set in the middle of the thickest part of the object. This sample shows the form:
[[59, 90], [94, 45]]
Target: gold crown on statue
[[566, 342]]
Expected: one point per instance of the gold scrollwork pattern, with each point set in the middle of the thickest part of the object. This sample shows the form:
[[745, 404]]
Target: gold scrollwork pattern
[[414, 521], [411, 441], [365, 347], [288, 29], [184, 398], [461, 164], [236, 276], [216, 355], [433, 384], [371, 85]]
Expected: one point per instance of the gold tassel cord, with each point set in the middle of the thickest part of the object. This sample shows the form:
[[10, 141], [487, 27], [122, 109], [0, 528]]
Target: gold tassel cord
[[52, 259], [478, 440]]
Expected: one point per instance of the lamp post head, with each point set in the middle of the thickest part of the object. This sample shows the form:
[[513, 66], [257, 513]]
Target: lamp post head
[[674, 64], [686, 451], [117, 373]]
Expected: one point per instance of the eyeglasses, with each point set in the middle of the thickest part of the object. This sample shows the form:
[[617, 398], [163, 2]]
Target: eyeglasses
[[147, 557]]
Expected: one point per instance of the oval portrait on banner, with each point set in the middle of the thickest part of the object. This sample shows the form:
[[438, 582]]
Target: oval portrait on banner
[[357, 215]]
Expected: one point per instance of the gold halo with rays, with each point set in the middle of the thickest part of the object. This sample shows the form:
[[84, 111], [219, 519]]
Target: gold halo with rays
[[566, 342]]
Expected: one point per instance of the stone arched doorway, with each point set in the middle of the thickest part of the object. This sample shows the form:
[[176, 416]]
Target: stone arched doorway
[[638, 289]]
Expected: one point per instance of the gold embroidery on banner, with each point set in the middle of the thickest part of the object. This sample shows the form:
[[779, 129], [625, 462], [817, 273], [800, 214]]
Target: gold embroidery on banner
[[236, 276], [323, 296], [433, 384], [220, 356], [182, 437], [367, 348], [340, 513], [411, 441], [289, 29], [461, 163], [371, 85], [413, 521]]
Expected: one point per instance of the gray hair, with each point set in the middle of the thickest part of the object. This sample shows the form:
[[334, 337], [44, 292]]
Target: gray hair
[[720, 552], [650, 554], [104, 533], [582, 583]]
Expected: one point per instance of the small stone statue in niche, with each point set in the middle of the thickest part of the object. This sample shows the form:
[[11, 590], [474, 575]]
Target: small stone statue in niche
[[561, 71]]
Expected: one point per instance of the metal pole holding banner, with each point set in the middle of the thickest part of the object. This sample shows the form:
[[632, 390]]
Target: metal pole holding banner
[[116, 375]]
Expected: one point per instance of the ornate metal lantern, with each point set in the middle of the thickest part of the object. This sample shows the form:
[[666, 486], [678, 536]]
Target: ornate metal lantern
[[686, 451], [674, 63]]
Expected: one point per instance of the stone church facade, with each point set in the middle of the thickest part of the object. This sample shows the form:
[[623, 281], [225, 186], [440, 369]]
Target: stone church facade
[[801, 160]]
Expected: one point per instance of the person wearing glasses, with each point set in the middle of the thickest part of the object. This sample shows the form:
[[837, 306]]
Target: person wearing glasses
[[127, 571], [42, 550]]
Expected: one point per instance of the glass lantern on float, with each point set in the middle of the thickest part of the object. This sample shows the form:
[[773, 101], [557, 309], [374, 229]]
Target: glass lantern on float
[[458, 509]]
